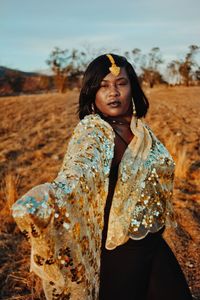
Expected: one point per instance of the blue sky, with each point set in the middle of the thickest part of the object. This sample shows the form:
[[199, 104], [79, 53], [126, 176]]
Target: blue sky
[[29, 30]]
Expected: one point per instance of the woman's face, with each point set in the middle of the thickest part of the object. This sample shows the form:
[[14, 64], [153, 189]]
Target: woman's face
[[113, 98]]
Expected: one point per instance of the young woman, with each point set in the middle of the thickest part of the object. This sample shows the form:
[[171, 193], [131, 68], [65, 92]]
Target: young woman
[[96, 231]]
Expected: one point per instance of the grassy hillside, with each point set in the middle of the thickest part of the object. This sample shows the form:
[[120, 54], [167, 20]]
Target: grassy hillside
[[34, 134]]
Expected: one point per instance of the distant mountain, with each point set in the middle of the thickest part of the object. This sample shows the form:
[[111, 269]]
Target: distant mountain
[[14, 82], [4, 71]]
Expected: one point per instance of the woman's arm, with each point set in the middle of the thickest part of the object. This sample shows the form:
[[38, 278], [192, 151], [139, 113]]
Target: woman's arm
[[61, 218], [82, 160]]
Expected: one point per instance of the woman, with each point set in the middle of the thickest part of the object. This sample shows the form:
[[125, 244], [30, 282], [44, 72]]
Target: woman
[[96, 231]]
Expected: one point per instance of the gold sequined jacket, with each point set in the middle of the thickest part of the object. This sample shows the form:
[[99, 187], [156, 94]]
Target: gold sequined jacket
[[64, 219]]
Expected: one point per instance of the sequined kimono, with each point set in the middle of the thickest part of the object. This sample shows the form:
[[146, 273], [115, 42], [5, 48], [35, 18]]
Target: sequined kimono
[[64, 219]]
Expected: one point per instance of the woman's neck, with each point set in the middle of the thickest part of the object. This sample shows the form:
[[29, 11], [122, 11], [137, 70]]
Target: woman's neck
[[118, 120]]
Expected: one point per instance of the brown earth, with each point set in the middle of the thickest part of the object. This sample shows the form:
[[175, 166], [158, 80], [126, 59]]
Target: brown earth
[[34, 134]]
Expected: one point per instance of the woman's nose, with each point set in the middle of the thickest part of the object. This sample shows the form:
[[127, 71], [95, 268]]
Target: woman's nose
[[113, 90]]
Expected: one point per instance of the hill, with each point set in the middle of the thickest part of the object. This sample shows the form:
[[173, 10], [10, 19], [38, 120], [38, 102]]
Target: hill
[[4, 71], [14, 82]]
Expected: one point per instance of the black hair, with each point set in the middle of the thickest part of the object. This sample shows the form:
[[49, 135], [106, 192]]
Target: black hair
[[93, 76]]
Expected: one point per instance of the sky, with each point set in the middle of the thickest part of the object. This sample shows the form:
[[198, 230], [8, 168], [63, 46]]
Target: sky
[[30, 29]]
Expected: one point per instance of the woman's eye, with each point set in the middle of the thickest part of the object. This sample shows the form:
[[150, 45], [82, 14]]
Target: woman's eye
[[104, 85], [122, 83]]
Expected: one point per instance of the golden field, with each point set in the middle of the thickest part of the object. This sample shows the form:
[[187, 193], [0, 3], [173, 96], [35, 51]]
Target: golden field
[[34, 133]]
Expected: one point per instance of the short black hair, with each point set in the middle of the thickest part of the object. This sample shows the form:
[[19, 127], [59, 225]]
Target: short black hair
[[93, 76]]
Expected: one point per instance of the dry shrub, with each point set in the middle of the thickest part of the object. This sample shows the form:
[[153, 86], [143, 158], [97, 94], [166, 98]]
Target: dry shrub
[[182, 162], [180, 155], [26, 284], [15, 271], [11, 182], [10, 194], [15, 251], [34, 284], [195, 173]]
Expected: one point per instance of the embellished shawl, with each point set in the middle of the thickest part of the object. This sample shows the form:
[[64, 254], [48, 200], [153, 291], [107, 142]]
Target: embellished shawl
[[64, 219]]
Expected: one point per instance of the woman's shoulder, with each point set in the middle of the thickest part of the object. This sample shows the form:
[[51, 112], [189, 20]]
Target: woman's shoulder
[[94, 122], [92, 129]]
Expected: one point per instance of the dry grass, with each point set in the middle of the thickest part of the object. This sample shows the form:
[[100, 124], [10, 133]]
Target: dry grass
[[182, 163], [11, 183], [180, 155], [33, 137]]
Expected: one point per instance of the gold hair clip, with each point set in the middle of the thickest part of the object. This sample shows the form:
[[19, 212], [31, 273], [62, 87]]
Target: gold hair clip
[[114, 69]]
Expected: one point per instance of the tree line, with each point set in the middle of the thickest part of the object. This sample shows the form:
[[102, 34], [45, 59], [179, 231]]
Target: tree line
[[68, 67]]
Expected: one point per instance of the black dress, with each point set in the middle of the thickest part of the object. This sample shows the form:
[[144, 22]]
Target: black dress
[[143, 269]]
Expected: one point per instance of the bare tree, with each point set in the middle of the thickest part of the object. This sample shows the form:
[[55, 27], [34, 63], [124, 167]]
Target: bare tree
[[188, 66], [137, 59], [146, 65], [197, 75], [173, 72], [62, 63], [150, 64]]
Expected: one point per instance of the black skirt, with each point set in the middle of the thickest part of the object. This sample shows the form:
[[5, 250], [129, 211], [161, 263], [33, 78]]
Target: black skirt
[[143, 269]]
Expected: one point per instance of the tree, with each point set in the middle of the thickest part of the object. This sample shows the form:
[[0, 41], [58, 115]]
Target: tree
[[197, 75], [173, 72], [137, 59], [188, 66], [146, 65], [62, 63], [150, 67]]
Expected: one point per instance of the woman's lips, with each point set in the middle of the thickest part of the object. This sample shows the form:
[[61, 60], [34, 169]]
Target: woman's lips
[[115, 103]]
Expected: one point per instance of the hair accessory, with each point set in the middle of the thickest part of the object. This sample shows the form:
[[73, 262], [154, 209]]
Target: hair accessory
[[114, 69]]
